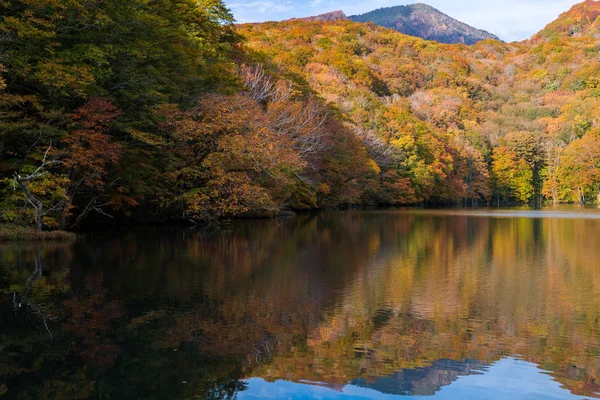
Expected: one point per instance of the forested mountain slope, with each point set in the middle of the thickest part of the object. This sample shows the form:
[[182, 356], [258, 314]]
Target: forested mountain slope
[[580, 20], [166, 110], [508, 121]]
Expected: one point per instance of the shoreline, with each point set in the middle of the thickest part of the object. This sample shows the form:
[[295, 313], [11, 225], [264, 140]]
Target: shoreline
[[15, 233]]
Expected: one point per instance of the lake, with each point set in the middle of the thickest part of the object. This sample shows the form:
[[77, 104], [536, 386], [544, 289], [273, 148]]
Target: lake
[[396, 304]]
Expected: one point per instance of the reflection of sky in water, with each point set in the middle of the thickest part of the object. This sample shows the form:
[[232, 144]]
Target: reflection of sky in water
[[508, 379], [580, 212]]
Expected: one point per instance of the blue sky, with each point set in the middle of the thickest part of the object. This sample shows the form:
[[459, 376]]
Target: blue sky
[[509, 19]]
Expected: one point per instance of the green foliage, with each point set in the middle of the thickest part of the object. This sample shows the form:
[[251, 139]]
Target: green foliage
[[512, 176], [578, 172], [58, 56], [523, 187]]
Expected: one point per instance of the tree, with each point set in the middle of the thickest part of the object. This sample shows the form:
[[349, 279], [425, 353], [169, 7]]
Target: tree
[[475, 175], [511, 176], [578, 173], [60, 63], [42, 190], [397, 190], [88, 154], [529, 146], [226, 156], [551, 185], [523, 186]]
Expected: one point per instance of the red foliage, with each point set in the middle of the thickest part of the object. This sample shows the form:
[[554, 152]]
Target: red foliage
[[89, 149]]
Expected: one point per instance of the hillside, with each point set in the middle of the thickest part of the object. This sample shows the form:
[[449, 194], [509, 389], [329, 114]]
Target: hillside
[[173, 113], [158, 113], [580, 20], [421, 20], [446, 122]]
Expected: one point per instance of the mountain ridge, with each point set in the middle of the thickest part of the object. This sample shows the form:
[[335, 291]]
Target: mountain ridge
[[424, 21], [329, 16], [418, 20]]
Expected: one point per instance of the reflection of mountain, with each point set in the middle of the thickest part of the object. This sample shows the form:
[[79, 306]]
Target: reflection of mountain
[[506, 379], [424, 381]]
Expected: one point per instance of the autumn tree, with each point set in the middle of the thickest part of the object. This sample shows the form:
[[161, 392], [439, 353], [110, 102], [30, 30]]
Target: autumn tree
[[56, 55], [503, 172], [419, 97], [476, 175], [42, 190], [201, 119], [226, 156], [529, 146], [511, 176], [87, 156], [578, 174]]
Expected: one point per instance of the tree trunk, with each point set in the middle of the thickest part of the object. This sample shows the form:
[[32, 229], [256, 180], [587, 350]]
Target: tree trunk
[[37, 205], [63, 213], [581, 196], [39, 219]]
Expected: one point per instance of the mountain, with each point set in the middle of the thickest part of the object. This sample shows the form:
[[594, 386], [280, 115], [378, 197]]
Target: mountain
[[330, 16], [580, 20], [426, 22]]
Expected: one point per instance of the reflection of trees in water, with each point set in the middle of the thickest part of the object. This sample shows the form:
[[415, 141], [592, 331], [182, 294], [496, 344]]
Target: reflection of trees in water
[[334, 298], [91, 314], [461, 288], [21, 300], [349, 294], [23, 280]]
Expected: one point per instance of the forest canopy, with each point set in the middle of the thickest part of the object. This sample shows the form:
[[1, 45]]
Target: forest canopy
[[166, 110]]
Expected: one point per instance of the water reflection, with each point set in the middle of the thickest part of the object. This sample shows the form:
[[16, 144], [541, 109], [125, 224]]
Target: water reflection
[[424, 381], [507, 379], [385, 303]]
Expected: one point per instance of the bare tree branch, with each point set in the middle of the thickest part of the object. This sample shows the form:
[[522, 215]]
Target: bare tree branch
[[23, 182]]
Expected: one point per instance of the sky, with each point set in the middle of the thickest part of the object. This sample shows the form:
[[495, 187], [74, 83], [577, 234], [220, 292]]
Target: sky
[[511, 20]]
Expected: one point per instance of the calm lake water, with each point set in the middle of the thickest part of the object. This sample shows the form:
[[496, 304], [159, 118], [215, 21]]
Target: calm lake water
[[344, 305]]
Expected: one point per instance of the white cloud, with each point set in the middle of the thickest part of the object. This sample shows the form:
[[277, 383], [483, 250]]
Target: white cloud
[[509, 19]]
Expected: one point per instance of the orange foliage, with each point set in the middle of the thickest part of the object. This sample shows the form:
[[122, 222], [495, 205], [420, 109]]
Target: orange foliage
[[89, 150]]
